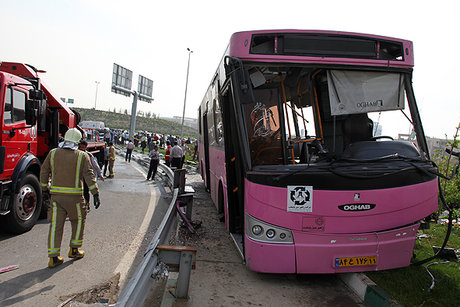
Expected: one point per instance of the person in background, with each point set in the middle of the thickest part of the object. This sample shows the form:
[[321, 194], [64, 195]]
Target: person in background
[[176, 155], [111, 159], [106, 158], [129, 150], [154, 160], [168, 154], [143, 143], [184, 150], [196, 149], [61, 178], [151, 145], [83, 145]]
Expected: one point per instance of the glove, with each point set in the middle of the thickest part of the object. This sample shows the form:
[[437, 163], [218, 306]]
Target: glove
[[97, 202], [46, 196]]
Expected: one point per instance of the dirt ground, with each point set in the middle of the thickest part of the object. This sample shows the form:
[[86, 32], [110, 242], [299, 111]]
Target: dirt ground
[[222, 279]]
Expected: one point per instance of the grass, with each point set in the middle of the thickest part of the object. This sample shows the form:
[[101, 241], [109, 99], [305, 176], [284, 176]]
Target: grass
[[410, 285]]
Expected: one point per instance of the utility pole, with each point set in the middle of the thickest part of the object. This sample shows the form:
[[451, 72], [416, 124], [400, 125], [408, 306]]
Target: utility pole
[[95, 99], [185, 97]]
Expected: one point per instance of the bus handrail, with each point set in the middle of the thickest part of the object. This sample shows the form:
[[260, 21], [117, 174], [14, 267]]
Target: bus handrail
[[136, 290]]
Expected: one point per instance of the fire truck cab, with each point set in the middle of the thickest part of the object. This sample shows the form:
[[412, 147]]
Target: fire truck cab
[[31, 121]]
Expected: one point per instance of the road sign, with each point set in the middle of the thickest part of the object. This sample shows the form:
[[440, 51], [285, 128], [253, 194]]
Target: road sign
[[121, 80]]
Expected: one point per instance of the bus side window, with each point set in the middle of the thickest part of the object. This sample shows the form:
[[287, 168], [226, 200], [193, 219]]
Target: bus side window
[[7, 117]]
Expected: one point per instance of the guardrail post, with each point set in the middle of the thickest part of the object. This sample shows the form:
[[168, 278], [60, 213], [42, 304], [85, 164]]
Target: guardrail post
[[181, 259], [185, 270], [179, 180]]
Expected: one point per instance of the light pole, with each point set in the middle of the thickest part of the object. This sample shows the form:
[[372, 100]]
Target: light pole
[[185, 97], [95, 99]]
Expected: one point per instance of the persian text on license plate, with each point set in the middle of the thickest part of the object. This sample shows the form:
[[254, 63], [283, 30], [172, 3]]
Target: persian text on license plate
[[355, 261]]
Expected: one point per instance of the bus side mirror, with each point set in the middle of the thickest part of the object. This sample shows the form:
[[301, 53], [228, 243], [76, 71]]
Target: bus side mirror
[[31, 112]]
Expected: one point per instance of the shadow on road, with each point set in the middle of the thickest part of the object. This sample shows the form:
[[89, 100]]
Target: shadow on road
[[16, 285]]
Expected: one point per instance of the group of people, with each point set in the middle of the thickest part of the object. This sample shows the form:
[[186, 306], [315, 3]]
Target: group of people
[[174, 155]]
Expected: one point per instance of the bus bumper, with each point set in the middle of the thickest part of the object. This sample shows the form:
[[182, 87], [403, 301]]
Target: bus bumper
[[315, 253], [269, 258]]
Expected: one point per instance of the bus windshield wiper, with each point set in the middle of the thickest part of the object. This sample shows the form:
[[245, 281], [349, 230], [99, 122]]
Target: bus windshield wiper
[[391, 157]]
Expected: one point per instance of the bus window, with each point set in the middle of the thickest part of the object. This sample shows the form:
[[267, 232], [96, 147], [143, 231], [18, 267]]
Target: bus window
[[218, 127], [263, 128]]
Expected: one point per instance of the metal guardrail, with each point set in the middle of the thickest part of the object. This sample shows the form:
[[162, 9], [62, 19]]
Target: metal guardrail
[[138, 287]]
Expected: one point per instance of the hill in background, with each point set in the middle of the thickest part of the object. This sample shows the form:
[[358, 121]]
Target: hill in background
[[121, 121]]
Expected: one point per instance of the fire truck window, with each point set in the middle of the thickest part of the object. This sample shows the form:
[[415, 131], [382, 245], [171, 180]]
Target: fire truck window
[[8, 107], [19, 105]]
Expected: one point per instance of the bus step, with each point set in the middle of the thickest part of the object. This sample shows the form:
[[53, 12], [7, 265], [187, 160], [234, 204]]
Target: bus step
[[238, 240]]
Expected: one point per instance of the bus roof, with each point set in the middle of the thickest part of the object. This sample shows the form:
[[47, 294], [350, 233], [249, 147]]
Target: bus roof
[[321, 47]]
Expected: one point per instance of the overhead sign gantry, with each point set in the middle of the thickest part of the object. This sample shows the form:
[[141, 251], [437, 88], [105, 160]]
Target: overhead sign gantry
[[121, 84]]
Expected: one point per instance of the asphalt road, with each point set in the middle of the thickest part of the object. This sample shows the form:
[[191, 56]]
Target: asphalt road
[[116, 236]]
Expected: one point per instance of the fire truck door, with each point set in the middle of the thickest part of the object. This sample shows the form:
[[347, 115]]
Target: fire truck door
[[16, 138]]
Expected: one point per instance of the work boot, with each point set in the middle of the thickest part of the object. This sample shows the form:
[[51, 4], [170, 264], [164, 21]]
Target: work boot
[[75, 253], [55, 261]]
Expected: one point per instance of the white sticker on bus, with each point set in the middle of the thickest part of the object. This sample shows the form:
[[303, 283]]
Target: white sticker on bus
[[300, 199]]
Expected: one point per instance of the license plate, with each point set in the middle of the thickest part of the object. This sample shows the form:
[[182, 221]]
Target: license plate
[[355, 261]]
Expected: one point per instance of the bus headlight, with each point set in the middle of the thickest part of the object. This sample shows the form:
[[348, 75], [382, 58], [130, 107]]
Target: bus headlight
[[257, 229], [270, 233], [264, 232]]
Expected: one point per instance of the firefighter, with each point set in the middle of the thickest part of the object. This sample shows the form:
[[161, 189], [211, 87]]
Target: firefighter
[[67, 167], [111, 159]]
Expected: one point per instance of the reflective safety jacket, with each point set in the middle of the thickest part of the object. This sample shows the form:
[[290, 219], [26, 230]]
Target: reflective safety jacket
[[67, 168], [112, 153]]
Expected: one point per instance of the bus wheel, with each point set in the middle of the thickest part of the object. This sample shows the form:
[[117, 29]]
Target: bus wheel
[[26, 206]]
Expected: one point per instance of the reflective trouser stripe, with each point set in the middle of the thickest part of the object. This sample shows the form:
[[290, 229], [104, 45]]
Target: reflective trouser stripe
[[92, 187], [52, 249], [76, 240]]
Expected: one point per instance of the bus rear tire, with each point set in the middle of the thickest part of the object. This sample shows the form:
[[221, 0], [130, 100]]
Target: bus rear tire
[[26, 206]]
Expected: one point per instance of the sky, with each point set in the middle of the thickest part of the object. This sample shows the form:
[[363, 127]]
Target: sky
[[78, 41]]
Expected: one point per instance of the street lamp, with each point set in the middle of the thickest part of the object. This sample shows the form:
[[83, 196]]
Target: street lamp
[[185, 97], [95, 99]]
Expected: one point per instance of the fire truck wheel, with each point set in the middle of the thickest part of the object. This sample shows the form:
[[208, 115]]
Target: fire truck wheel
[[26, 207]]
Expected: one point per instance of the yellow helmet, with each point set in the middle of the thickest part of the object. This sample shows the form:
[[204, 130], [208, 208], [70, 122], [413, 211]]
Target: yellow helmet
[[72, 135]]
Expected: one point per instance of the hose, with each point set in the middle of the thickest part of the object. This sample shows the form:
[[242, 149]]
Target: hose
[[431, 275], [449, 229]]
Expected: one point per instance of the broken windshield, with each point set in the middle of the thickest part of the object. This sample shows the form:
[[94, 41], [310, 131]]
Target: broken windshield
[[306, 114]]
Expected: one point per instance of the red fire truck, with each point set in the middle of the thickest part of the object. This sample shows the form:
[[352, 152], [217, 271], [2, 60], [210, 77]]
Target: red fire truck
[[32, 119]]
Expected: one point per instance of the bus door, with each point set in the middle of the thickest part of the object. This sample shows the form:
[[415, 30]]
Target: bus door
[[206, 149], [233, 163]]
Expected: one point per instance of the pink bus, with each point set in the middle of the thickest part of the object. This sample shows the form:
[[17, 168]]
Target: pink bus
[[296, 150]]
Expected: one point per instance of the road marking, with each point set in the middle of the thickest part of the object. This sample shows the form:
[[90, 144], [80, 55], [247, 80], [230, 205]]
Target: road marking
[[127, 261]]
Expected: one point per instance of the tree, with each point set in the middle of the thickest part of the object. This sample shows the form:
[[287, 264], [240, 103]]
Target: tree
[[448, 165]]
